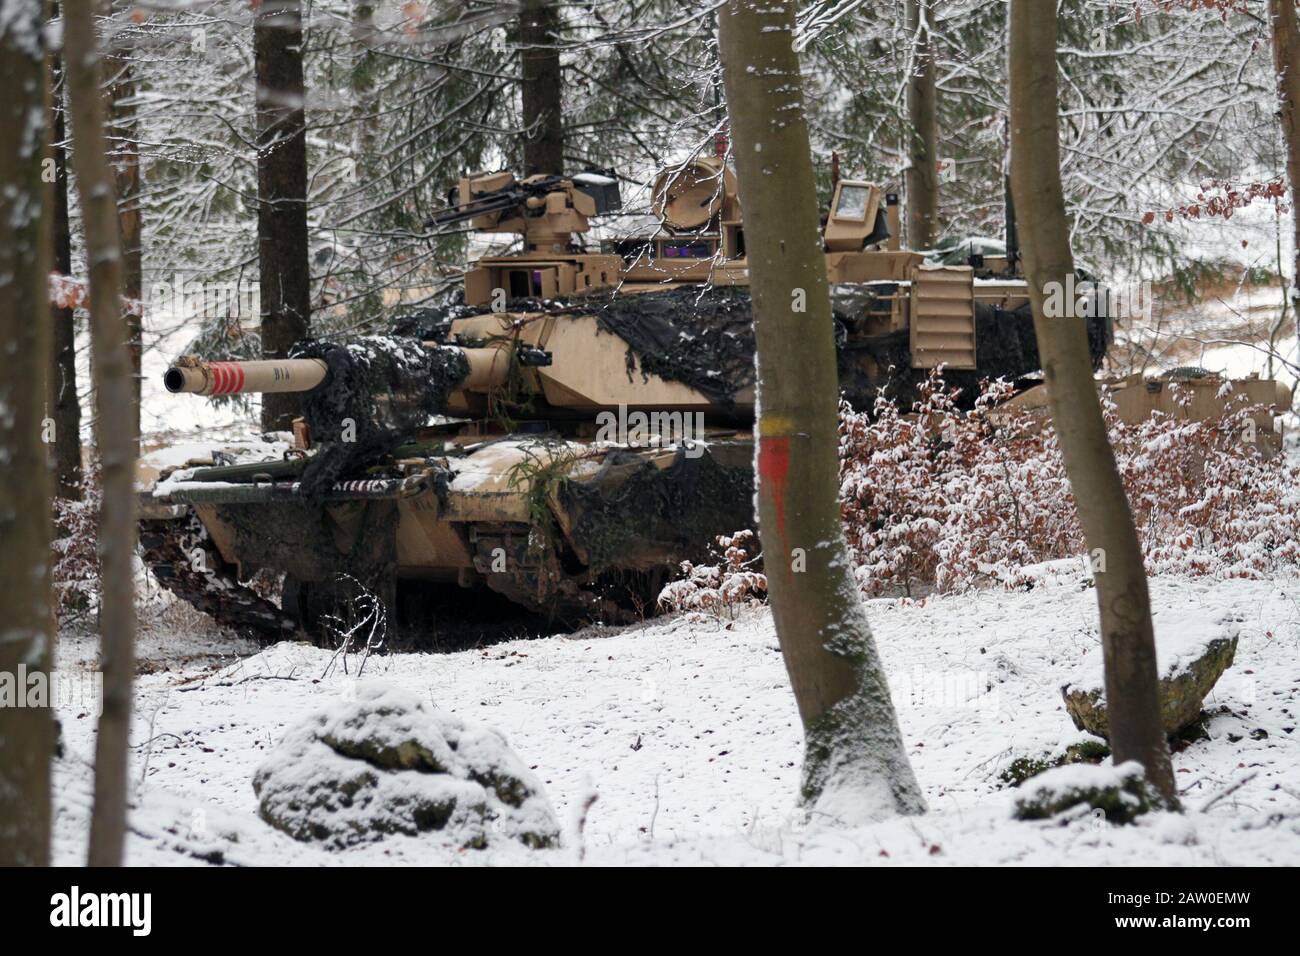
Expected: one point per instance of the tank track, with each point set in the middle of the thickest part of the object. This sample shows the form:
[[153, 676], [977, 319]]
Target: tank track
[[186, 562]]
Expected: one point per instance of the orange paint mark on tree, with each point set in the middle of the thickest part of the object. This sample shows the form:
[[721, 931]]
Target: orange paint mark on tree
[[773, 473]]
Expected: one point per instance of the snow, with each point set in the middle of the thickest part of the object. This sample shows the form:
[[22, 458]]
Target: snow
[[378, 761], [1080, 776], [686, 731], [153, 461]]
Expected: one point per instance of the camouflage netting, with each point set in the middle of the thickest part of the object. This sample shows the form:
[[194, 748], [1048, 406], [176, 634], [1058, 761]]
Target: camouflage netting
[[702, 336], [1005, 347], [378, 391], [302, 539], [633, 509]]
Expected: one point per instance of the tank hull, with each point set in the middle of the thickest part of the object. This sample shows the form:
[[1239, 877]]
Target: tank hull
[[575, 531]]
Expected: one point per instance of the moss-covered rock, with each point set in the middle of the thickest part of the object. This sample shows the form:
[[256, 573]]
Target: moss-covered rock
[[1120, 793], [387, 763], [1189, 669], [1023, 768]]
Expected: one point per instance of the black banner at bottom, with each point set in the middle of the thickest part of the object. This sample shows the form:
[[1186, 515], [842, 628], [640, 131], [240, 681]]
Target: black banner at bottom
[[216, 905]]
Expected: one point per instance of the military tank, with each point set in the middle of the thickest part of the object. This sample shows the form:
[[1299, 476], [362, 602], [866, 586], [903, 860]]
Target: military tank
[[572, 429]]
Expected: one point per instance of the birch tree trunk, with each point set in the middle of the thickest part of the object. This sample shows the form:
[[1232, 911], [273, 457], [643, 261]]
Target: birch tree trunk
[[540, 81], [115, 431], [285, 276], [1286, 60], [855, 766], [922, 176], [1128, 640], [65, 408], [26, 626]]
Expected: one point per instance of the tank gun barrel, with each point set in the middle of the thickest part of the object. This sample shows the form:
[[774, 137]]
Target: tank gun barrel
[[488, 368], [231, 378]]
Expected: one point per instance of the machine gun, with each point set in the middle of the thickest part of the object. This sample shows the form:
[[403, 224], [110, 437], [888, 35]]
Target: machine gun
[[592, 192], [547, 211]]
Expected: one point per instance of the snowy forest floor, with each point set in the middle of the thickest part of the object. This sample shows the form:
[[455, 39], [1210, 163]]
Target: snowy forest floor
[[686, 731]]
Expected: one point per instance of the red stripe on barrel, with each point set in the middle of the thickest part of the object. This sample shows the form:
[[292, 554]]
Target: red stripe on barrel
[[227, 377]]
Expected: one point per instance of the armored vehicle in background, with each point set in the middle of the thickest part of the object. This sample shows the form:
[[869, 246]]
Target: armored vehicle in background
[[571, 431]]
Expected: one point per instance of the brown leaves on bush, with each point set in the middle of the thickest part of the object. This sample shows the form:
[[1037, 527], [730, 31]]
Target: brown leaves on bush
[[723, 588], [945, 500], [74, 549]]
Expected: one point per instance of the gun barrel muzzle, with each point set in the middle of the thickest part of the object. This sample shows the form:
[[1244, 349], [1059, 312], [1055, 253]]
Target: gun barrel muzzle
[[232, 378]]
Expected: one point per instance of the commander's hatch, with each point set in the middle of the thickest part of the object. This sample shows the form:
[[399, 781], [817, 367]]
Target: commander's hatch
[[857, 218]]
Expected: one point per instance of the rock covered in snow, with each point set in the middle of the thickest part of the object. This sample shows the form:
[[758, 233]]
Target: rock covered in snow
[[1191, 659], [387, 763], [1118, 793]]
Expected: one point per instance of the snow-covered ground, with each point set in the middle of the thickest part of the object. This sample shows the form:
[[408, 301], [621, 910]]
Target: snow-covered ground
[[686, 733]]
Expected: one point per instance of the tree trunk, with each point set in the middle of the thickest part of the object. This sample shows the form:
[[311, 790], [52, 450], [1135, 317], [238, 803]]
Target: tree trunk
[[65, 408], [26, 627], [541, 82], [285, 284], [1286, 60], [1128, 641], [115, 430], [125, 149], [855, 766], [364, 103], [922, 176]]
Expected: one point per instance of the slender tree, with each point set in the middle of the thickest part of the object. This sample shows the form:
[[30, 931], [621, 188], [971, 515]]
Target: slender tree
[[1286, 61], [541, 83], [285, 276], [1128, 639], [65, 408], [115, 431], [922, 176], [364, 67], [855, 766], [26, 625], [124, 149]]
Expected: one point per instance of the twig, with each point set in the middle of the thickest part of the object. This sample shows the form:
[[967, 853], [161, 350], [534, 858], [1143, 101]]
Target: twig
[[1231, 790], [236, 683], [587, 802]]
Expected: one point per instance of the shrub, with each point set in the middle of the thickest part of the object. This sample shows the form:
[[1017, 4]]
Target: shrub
[[74, 549], [946, 500], [722, 588]]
